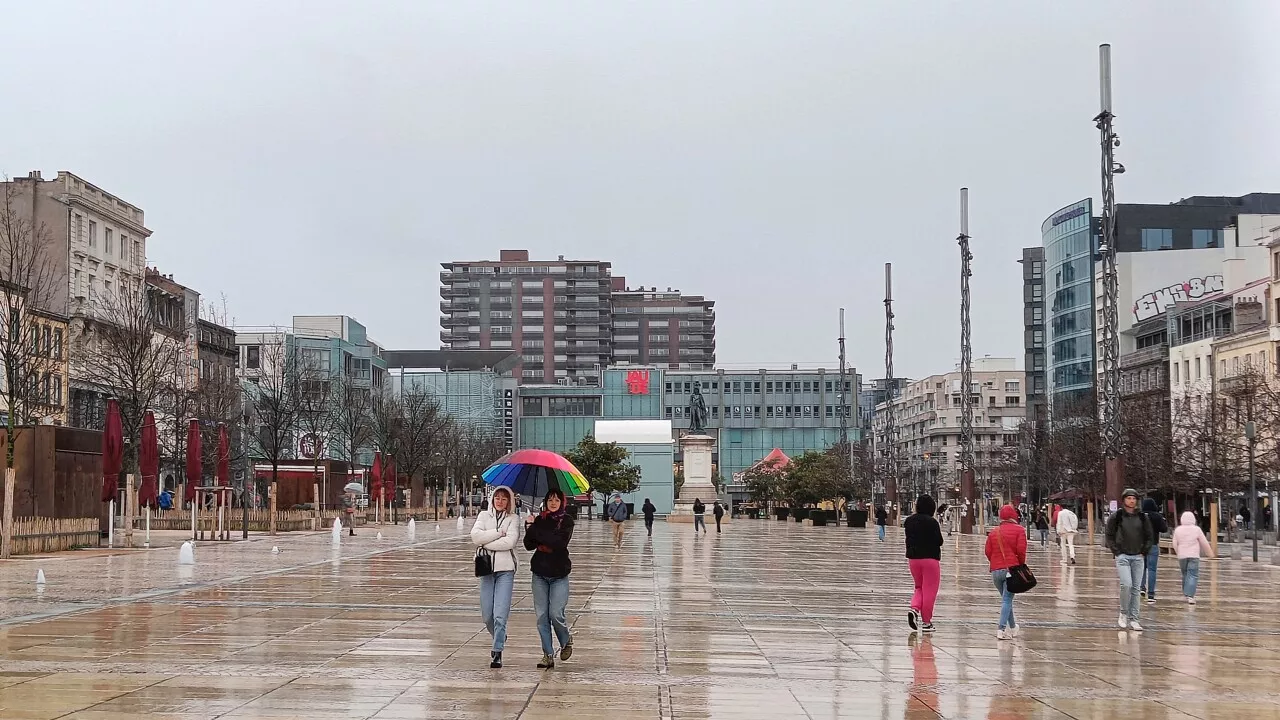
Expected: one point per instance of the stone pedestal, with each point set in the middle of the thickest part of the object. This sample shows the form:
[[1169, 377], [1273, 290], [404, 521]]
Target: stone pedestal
[[698, 479]]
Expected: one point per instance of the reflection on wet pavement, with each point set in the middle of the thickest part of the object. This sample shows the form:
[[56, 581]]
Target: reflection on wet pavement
[[770, 620]]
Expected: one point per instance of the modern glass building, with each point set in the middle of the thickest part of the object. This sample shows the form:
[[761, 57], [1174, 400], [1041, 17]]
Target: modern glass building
[[1069, 245]]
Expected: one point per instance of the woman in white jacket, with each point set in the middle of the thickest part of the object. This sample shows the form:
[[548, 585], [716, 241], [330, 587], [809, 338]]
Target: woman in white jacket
[[497, 530]]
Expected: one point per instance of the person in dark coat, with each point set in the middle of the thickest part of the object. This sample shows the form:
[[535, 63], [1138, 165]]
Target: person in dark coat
[[649, 509], [882, 519], [548, 535], [718, 511], [1129, 537], [924, 555], [1159, 526]]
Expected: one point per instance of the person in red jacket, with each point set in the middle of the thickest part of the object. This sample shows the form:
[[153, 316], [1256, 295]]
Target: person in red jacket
[[1006, 547]]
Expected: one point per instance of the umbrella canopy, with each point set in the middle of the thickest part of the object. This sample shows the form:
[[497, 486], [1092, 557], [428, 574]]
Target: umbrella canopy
[[532, 472], [195, 469], [389, 480], [353, 487], [112, 452], [376, 473], [149, 462], [224, 460]]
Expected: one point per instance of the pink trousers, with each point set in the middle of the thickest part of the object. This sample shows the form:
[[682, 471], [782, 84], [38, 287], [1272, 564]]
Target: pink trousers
[[927, 574]]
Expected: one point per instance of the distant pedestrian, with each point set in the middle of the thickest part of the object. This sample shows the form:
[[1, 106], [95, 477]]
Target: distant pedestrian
[[1130, 536], [1042, 524], [1158, 527], [882, 519], [496, 531], [718, 511], [699, 516], [1189, 542], [349, 511], [1067, 526], [1006, 547], [548, 535], [1245, 516], [649, 510], [924, 554], [617, 514]]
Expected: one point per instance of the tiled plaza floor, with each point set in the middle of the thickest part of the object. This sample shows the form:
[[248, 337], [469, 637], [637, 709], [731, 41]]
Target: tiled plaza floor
[[770, 620]]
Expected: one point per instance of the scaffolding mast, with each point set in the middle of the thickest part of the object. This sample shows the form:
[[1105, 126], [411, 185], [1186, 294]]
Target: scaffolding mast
[[1110, 392], [845, 402], [889, 485], [966, 344]]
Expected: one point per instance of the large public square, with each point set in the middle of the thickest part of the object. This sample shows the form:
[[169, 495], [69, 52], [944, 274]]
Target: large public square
[[769, 620]]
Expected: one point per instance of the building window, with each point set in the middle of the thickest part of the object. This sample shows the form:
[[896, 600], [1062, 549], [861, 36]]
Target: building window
[[787, 385], [715, 412], [668, 412], [668, 388], [1012, 401], [830, 410], [57, 343], [253, 357], [688, 388], [1175, 372], [1157, 238], [1198, 368], [768, 411], [532, 407], [573, 406], [1011, 386], [93, 234], [1206, 238], [768, 386], [107, 246]]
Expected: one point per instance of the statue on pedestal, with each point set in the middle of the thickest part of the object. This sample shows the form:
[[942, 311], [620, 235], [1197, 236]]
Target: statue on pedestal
[[697, 411]]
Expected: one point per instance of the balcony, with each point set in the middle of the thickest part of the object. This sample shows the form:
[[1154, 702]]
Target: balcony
[[1145, 356], [451, 291]]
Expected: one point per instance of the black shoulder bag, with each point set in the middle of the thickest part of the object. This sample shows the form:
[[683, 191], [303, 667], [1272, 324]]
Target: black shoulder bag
[[1020, 578]]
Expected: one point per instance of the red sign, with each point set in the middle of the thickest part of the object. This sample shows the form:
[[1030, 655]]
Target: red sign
[[638, 382]]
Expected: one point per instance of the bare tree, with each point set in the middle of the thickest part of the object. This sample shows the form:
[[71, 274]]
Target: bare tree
[[31, 327], [275, 401], [386, 420], [422, 427], [316, 419], [352, 405]]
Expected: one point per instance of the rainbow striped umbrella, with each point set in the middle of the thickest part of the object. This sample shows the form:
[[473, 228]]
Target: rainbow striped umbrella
[[532, 472]]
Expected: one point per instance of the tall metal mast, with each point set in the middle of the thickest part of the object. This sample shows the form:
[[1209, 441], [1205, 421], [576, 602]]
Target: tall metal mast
[[890, 484], [844, 401], [1110, 391], [966, 366]]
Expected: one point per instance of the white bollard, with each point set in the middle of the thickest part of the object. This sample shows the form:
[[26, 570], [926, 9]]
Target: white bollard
[[186, 554], [379, 537]]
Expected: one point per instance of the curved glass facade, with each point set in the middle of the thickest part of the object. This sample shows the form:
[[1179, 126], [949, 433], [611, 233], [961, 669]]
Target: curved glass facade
[[1068, 258]]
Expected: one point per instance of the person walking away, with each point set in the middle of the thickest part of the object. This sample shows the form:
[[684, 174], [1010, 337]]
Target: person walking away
[[349, 511], [648, 509], [718, 511], [1189, 542], [699, 516], [1042, 524], [882, 519], [1129, 537], [924, 555], [496, 530], [548, 535], [1159, 527], [1067, 526], [1006, 547], [617, 514]]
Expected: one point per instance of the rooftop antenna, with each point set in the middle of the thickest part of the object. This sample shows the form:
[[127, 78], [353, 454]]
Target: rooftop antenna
[[1110, 393], [889, 484], [966, 370]]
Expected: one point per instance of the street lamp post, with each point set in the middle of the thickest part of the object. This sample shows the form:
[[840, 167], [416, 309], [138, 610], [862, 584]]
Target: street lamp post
[[1251, 434]]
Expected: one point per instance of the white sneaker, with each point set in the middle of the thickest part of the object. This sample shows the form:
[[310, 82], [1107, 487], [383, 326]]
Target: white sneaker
[[1002, 635], [1191, 601], [1012, 631], [1151, 601], [1124, 621], [1134, 626]]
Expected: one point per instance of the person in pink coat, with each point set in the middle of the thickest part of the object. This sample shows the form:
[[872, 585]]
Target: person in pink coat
[[1188, 542]]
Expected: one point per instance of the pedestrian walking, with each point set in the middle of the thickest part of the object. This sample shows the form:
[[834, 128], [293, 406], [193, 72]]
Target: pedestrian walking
[[1129, 537], [548, 535], [1006, 547], [349, 511], [1188, 542], [1042, 524], [1067, 526], [495, 533], [924, 555], [1158, 527], [718, 511], [699, 516], [648, 509], [617, 514], [882, 519]]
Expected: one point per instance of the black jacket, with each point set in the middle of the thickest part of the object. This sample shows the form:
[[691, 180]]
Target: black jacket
[[924, 537], [882, 517], [549, 539], [1130, 534], [649, 509], [719, 510], [699, 508], [1158, 524]]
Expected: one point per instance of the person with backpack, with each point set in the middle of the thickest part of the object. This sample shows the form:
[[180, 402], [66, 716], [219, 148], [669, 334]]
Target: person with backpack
[[548, 535], [924, 557], [718, 511], [649, 510], [699, 516], [495, 534], [617, 514], [882, 519], [1006, 548], [1158, 526], [1042, 524], [1189, 542], [1129, 537]]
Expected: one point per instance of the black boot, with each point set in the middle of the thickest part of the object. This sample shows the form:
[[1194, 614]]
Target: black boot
[[496, 661]]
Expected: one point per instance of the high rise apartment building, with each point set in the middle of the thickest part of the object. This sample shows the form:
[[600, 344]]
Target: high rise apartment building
[[1033, 324], [567, 320]]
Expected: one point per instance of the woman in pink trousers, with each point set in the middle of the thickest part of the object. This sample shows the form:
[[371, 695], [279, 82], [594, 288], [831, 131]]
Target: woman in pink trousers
[[924, 555]]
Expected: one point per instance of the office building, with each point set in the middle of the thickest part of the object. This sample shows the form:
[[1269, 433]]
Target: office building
[[668, 329], [474, 387], [1033, 331]]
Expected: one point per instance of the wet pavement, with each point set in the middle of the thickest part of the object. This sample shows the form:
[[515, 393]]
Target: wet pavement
[[770, 620]]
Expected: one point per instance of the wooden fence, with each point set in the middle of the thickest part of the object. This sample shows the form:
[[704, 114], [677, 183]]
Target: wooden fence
[[35, 535]]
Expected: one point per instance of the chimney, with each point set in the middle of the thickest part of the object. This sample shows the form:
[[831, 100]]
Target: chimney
[[35, 175]]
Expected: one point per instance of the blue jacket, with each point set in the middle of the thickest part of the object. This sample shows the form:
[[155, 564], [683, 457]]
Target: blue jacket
[[617, 511]]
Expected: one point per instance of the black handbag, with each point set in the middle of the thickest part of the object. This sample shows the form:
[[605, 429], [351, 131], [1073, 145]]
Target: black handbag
[[484, 562], [1020, 578]]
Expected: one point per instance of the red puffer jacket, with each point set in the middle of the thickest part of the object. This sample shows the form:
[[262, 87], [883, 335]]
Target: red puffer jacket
[[1011, 547]]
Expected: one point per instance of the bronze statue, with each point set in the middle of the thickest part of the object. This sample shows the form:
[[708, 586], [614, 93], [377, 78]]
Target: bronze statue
[[697, 411]]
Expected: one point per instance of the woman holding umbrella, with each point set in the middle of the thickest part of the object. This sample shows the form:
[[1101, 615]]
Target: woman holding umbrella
[[548, 535]]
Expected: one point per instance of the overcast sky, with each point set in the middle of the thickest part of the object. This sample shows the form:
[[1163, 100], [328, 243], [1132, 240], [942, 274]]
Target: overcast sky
[[324, 157]]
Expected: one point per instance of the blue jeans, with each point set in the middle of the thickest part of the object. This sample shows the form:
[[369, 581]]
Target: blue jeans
[[880, 529], [1190, 575], [495, 604], [699, 521], [1006, 599], [1149, 577], [550, 596], [1130, 568]]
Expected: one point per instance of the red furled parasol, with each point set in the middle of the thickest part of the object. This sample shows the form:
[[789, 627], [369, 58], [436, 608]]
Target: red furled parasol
[[389, 480], [149, 462], [112, 452], [224, 461], [195, 471], [375, 473]]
